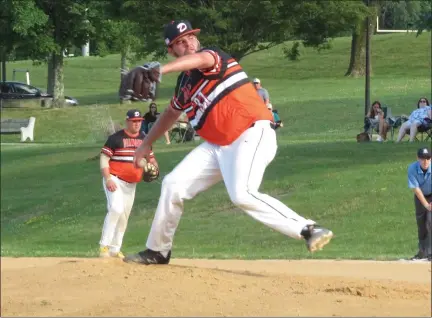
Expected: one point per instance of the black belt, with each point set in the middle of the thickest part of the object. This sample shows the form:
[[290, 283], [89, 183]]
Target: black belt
[[272, 125], [120, 178]]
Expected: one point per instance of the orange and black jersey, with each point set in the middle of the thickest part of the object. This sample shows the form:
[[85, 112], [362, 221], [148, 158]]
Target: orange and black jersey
[[220, 102], [120, 147]]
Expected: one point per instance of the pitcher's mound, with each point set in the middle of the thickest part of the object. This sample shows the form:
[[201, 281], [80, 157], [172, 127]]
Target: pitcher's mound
[[109, 287]]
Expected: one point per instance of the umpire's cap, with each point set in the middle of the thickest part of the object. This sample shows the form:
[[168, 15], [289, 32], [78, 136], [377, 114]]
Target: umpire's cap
[[176, 29], [423, 153]]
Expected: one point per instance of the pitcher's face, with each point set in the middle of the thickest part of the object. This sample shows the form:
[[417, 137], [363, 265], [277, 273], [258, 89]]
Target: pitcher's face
[[185, 45]]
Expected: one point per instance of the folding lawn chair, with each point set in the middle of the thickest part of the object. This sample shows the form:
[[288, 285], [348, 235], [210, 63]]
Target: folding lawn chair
[[425, 129], [182, 131], [392, 121]]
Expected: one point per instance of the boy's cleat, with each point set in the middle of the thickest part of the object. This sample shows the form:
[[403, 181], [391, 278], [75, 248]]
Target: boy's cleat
[[104, 251], [117, 255]]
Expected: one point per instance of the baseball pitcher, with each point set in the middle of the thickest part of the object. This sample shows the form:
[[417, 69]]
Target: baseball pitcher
[[226, 111], [120, 177]]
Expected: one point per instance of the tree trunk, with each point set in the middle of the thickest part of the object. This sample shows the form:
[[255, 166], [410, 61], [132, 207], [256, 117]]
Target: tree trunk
[[357, 65], [124, 67], [3, 67], [50, 81], [124, 61], [58, 89], [3, 74]]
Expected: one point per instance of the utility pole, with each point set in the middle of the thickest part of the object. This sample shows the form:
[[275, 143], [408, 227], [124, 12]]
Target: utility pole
[[367, 73], [3, 74], [3, 67]]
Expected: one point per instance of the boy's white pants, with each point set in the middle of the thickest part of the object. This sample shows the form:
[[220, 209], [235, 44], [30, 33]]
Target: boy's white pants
[[241, 166], [119, 206]]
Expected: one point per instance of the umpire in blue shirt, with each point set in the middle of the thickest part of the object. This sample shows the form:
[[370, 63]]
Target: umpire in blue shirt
[[419, 179]]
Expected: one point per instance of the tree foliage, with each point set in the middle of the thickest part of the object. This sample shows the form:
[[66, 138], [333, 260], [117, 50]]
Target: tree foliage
[[400, 15], [21, 24], [42, 29], [115, 32], [245, 27], [424, 21]]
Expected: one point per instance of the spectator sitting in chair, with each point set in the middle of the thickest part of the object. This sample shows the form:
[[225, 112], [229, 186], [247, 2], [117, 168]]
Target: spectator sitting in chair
[[150, 118], [278, 122], [375, 119], [418, 117]]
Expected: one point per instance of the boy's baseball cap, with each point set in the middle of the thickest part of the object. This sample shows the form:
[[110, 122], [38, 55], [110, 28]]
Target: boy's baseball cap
[[256, 80], [134, 114], [176, 29], [424, 153]]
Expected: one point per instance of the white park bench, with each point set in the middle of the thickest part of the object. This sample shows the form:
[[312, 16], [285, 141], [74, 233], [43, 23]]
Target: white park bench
[[25, 127]]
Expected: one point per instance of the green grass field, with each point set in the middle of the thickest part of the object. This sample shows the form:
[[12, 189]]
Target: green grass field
[[52, 202]]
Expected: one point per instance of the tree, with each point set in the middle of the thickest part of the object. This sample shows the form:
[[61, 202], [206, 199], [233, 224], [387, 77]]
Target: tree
[[319, 21], [358, 41], [21, 22], [115, 32], [245, 27], [400, 15], [69, 23], [393, 14], [424, 21]]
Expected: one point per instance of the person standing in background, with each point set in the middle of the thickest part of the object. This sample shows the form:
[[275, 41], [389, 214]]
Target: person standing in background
[[262, 92], [150, 118], [119, 179]]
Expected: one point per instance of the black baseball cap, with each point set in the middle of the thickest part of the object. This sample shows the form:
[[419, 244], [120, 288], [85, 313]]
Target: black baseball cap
[[134, 114], [176, 29], [424, 153]]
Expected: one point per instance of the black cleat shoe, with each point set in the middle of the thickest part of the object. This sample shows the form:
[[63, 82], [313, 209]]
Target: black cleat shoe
[[418, 257], [316, 237], [148, 257]]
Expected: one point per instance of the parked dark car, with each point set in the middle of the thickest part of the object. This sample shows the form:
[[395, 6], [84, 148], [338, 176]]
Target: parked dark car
[[21, 91]]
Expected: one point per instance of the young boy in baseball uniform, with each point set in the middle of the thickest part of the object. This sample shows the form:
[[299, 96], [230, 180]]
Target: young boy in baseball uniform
[[120, 177], [226, 111]]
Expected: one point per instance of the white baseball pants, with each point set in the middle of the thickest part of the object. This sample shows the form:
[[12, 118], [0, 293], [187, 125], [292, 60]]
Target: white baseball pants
[[119, 206], [241, 166]]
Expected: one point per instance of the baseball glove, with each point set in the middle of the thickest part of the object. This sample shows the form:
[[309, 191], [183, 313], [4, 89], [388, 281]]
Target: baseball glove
[[151, 172], [141, 83]]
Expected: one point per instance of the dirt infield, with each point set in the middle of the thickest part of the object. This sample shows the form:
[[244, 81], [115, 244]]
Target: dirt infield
[[101, 287]]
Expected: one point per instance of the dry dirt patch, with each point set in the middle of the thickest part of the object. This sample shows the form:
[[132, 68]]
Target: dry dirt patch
[[100, 287]]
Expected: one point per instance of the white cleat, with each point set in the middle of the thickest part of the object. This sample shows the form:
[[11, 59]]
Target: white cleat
[[316, 237]]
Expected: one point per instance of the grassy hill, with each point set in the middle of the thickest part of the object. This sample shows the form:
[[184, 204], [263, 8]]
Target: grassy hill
[[303, 91], [52, 201]]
